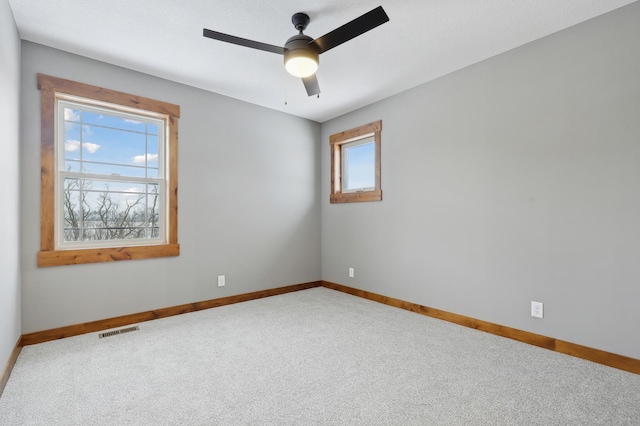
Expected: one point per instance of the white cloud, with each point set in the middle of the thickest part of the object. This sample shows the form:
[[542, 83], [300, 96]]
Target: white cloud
[[140, 159], [91, 147], [71, 115], [133, 190], [132, 194], [73, 145], [132, 121]]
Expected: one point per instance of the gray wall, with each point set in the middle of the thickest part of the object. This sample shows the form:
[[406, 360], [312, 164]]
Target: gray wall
[[10, 176], [248, 204], [512, 180]]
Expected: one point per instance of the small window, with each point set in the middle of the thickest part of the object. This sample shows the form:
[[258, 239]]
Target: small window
[[355, 164], [358, 165], [109, 175]]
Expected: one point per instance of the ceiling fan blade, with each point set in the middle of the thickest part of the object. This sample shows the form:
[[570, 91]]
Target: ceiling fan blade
[[242, 41], [352, 29], [311, 84]]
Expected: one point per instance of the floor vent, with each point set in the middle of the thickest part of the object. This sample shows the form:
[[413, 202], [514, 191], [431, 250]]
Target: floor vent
[[115, 332]]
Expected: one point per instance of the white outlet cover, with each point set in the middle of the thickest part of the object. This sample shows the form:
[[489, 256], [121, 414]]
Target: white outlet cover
[[221, 281], [537, 309], [351, 273]]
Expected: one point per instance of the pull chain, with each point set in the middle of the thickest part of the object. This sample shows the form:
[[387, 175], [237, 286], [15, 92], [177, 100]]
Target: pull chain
[[286, 87]]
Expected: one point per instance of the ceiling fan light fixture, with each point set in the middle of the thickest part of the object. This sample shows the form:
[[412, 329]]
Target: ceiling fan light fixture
[[301, 66], [300, 57]]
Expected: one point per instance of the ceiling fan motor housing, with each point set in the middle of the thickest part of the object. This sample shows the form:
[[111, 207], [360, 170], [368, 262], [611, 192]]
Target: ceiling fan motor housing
[[301, 46]]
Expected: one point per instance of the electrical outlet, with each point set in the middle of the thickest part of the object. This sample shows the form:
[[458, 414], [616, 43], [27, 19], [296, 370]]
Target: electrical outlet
[[351, 273], [537, 309], [221, 281]]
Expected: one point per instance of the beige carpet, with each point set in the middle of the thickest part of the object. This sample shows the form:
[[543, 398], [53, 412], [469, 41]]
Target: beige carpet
[[314, 357]]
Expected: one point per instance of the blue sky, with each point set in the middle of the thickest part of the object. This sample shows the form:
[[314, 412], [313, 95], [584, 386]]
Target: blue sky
[[110, 139], [360, 172]]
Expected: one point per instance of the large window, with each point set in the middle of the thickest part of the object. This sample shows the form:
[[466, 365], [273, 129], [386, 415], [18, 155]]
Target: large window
[[109, 175], [355, 164]]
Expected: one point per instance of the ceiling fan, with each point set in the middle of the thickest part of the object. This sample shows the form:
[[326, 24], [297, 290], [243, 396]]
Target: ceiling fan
[[301, 52]]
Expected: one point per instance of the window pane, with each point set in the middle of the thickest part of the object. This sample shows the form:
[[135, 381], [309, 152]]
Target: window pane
[[109, 210], [104, 142], [359, 166], [153, 211], [152, 129], [113, 146], [72, 210], [72, 141], [100, 142], [152, 172], [114, 122], [151, 159], [72, 165], [71, 115]]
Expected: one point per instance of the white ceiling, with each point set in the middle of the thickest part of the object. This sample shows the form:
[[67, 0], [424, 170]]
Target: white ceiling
[[423, 40]]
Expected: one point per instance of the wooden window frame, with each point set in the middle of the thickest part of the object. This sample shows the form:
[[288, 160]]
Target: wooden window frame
[[336, 142], [50, 256]]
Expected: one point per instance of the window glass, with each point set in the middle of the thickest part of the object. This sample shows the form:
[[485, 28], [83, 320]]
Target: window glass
[[355, 164], [108, 210], [111, 185], [359, 165]]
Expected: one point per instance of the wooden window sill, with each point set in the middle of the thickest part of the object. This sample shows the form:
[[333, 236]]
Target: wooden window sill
[[355, 197], [111, 254]]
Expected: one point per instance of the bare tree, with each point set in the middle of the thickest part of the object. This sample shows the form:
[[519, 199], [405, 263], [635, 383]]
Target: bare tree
[[129, 221], [153, 215], [108, 219], [74, 219]]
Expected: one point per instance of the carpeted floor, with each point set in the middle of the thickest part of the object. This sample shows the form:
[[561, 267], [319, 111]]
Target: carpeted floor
[[314, 357]]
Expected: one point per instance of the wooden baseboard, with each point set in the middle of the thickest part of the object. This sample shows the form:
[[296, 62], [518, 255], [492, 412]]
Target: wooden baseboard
[[93, 326], [9, 367], [595, 355]]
